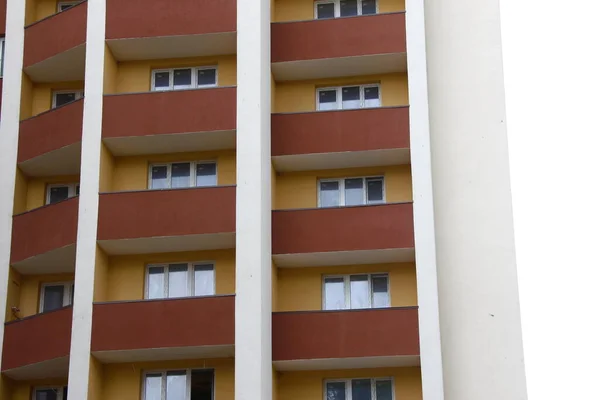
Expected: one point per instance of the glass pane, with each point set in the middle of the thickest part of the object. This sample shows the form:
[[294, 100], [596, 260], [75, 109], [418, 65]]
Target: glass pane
[[336, 391], [207, 77], [381, 297], [383, 389], [46, 394], [328, 100], [176, 385], [64, 7], [361, 389], [372, 97], [182, 78], [153, 387], [156, 282], [353, 191], [348, 8], [65, 390], [351, 97], [180, 175], [369, 7], [58, 193], [76, 190], [159, 177], [359, 291], [53, 297], [329, 194], [374, 190], [326, 10], [178, 280], [204, 280], [161, 80], [334, 294], [206, 174], [71, 300], [64, 98], [202, 385]]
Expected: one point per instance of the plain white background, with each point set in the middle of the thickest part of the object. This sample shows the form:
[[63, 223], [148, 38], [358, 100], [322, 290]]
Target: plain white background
[[552, 76]]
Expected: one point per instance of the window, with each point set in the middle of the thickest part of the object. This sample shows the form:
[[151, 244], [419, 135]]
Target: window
[[182, 175], [184, 78], [56, 295], [341, 292], [65, 5], [185, 384], [344, 8], [351, 191], [60, 192], [50, 393], [62, 97], [359, 389], [348, 97], [2, 44], [180, 280]]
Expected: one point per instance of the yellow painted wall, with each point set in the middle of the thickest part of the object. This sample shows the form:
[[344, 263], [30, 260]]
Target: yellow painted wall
[[31, 285], [26, 96], [275, 385], [135, 76], [131, 173], [45, 8], [107, 167], [300, 289], [13, 298], [300, 96], [36, 189], [301, 385], [124, 381], [301, 10], [111, 69], [127, 274], [20, 203], [299, 189], [96, 380], [101, 276], [22, 390], [5, 388]]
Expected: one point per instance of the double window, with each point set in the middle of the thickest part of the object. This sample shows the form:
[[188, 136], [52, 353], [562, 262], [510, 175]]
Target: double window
[[65, 5], [50, 393], [60, 192], [56, 295], [348, 97], [344, 8], [359, 389], [343, 292], [180, 280], [62, 97], [351, 191], [185, 384], [184, 78], [182, 175]]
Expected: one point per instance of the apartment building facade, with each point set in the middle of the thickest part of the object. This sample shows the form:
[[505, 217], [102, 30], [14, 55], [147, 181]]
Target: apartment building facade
[[292, 200]]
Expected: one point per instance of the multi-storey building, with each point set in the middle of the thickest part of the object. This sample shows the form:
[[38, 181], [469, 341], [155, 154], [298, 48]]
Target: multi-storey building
[[237, 199]]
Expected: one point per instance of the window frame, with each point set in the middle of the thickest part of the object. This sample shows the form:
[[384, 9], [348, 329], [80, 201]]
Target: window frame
[[194, 83], [190, 279], [348, 383], [347, 298], [337, 9], [338, 95], [342, 189], [2, 48], [69, 290], [78, 96], [72, 190], [193, 171], [60, 390], [188, 381], [66, 3]]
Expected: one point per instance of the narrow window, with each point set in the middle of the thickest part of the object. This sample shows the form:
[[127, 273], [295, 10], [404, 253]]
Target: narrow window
[[354, 192], [180, 175], [153, 387], [336, 391], [328, 99], [60, 98], [359, 291], [374, 190], [56, 295], [329, 194], [325, 10], [380, 291], [178, 280], [2, 44], [335, 293], [58, 193], [361, 389], [383, 389], [351, 97], [159, 177], [206, 174], [372, 96], [176, 385], [156, 282], [204, 280], [369, 7], [162, 80], [182, 78], [202, 384], [206, 77], [348, 8]]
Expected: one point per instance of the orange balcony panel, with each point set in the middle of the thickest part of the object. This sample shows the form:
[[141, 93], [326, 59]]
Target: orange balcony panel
[[38, 346], [315, 335]]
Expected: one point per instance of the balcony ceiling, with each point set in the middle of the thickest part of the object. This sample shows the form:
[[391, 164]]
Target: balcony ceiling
[[349, 159], [64, 161], [344, 258], [164, 354], [347, 363], [66, 66]]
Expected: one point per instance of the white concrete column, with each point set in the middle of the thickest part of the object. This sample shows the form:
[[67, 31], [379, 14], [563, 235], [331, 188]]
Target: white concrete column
[[9, 139], [253, 362], [85, 261], [478, 297], [425, 248]]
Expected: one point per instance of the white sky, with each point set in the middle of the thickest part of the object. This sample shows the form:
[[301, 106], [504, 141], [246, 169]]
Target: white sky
[[552, 76]]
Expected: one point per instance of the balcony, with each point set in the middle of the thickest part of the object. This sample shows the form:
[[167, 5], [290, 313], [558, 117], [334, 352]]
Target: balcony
[[368, 338], [164, 122], [50, 143], [43, 240], [340, 139], [55, 46], [37, 347], [327, 48], [170, 329], [155, 221], [343, 235], [152, 29]]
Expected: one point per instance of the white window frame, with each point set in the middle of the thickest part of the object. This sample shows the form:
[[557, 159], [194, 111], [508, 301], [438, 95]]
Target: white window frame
[[194, 83], [347, 299], [59, 390], [193, 171], [2, 46], [348, 383], [338, 95], [72, 190], [78, 95], [190, 279], [337, 8], [188, 381], [66, 3], [69, 287], [342, 190]]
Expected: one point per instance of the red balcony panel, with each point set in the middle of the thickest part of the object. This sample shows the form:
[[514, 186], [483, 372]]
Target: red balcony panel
[[2, 17], [38, 338], [151, 324], [50, 131], [157, 213], [44, 229], [338, 37], [344, 334], [339, 131], [148, 18], [158, 113], [386, 226], [55, 34]]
